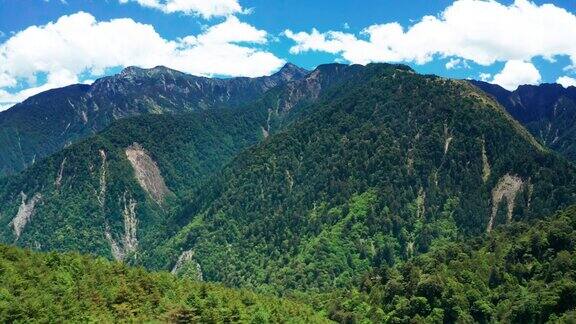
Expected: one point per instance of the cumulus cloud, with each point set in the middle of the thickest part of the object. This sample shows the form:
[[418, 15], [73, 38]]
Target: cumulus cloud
[[204, 8], [55, 80], [517, 73], [456, 63], [566, 81], [78, 45], [485, 76], [475, 30]]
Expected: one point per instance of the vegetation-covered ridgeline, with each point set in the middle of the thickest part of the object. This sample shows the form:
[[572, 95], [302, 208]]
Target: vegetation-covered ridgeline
[[49, 121], [56, 288], [123, 186], [524, 272], [376, 173]]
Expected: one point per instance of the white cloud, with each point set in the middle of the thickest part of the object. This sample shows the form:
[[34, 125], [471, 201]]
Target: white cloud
[[476, 30], [485, 76], [456, 63], [78, 45], [55, 80], [517, 73], [204, 8], [233, 31], [566, 81]]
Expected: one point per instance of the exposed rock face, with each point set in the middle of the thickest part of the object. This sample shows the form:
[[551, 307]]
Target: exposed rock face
[[25, 213], [290, 180], [187, 259], [129, 241], [309, 87], [485, 163], [147, 172], [447, 139], [507, 188], [101, 193], [117, 251], [130, 225], [421, 204], [58, 181]]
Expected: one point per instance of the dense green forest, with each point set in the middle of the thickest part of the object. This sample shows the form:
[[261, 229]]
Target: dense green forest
[[521, 273], [56, 288], [368, 193], [376, 174], [89, 185]]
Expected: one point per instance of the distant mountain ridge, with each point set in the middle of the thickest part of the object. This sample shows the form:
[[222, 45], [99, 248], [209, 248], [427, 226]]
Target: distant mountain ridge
[[547, 110], [51, 120]]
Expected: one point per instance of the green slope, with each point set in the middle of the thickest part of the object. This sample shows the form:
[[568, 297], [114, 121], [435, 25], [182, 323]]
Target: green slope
[[547, 110], [379, 172], [87, 190], [521, 273], [88, 198], [323, 181], [55, 288]]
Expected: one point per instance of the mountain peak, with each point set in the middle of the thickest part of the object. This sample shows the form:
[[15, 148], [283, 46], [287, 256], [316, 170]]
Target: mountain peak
[[291, 72], [131, 70]]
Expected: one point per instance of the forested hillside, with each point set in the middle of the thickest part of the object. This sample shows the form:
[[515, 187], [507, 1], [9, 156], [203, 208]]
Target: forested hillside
[[53, 288], [520, 273], [328, 189], [117, 193], [378, 173]]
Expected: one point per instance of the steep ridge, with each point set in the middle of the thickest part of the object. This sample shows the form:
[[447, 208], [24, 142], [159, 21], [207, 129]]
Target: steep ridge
[[49, 121], [377, 172], [364, 167], [115, 194], [548, 111]]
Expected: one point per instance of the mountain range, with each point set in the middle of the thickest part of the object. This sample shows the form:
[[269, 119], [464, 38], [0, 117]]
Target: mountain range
[[47, 122], [362, 192], [548, 111]]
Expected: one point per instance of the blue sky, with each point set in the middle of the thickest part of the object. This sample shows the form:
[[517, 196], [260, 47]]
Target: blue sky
[[46, 44]]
